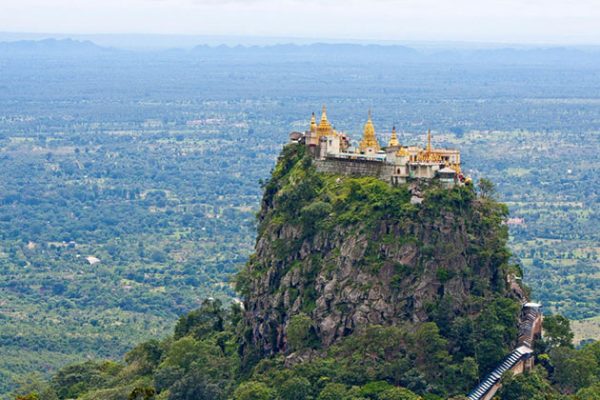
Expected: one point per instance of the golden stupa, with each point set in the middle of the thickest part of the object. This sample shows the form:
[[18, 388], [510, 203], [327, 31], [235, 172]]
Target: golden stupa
[[428, 155], [313, 123], [369, 139], [324, 128], [394, 139]]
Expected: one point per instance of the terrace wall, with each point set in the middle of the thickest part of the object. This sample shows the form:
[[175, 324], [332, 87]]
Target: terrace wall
[[351, 167]]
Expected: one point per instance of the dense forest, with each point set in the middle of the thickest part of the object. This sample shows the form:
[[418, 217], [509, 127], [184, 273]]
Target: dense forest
[[200, 361], [151, 163]]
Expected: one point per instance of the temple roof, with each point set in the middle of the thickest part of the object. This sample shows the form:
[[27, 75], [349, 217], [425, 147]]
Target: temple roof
[[324, 127], [369, 139]]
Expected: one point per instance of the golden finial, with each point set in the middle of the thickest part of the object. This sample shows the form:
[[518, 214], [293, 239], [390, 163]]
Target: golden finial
[[428, 155], [369, 139], [313, 123], [428, 140], [324, 128], [394, 139]]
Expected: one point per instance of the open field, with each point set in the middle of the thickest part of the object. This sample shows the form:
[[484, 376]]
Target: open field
[[586, 329]]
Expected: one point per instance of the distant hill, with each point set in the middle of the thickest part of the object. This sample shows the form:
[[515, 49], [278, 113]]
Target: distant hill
[[52, 47], [357, 54], [314, 52], [533, 56]]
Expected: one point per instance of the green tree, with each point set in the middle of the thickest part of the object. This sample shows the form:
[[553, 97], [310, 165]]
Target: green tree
[[145, 356], [201, 322], [34, 384], [300, 332], [252, 390], [373, 390], [313, 214], [593, 349], [573, 369], [398, 393], [487, 189], [142, 393], [526, 386], [196, 386], [493, 330], [589, 393], [333, 391], [557, 331], [187, 351], [377, 353], [167, 375], [74, 380], [431, 350], [30, 396], [296, 388], [464, 376]]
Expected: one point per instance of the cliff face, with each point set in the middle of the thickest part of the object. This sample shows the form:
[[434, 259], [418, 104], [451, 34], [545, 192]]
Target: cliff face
[[353, 252]]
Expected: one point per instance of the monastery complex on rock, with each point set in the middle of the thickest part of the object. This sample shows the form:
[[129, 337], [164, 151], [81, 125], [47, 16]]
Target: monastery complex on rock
[[334, 153]]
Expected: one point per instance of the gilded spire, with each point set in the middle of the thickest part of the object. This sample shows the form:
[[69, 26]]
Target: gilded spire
[[394, 139], [429, 140], [428, 155], [324, 128], [369, 138], [313, 123]]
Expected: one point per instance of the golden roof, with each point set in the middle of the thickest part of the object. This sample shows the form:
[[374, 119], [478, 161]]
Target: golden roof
[[369, 138], [402, 152], [324, 128]]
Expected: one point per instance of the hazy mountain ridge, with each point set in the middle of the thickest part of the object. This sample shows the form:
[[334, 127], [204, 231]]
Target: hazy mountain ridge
[[52, 47], [325, 52]]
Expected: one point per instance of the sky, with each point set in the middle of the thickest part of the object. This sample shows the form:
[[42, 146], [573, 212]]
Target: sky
[[497, 21]]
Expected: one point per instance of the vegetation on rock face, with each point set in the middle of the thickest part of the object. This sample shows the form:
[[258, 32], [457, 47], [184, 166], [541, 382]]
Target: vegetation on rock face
[[354, 293], [354, 252]]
